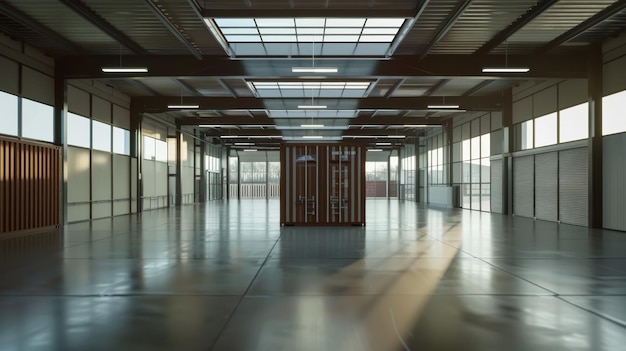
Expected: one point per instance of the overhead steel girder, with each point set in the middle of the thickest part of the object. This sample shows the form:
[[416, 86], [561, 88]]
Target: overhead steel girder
[[435, 66], [478, 103], [446, 26], [360, 121], [84, 11], [309, 12]]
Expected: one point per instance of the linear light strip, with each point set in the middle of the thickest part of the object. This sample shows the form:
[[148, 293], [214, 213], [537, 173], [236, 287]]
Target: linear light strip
[[506, 70], [314, 69], [125, 69], [182, 107]]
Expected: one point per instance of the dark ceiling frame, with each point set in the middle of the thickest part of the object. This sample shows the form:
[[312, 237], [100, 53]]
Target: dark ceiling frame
[[173, 29], [477, 87], [30, 23], [518, 24], [436, 87], [289, 12], [88, 14], [187, 87], [447, 25], [591, 22]]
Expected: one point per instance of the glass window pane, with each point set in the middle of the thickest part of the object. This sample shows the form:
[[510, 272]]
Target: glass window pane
[[376, 38], [244, 38], [101, 136], [485, 170], [8, 114], [573, 123], [345, 22], [524, 135], [78, 130], [485, 145], [465, 148], [235, 22], [37, 121], [475, 148], [275, 22], [310, 22], [485, 197], [614, 113], [161, 151], [149, 148], [545, 130], [121, 141], [384, 22]]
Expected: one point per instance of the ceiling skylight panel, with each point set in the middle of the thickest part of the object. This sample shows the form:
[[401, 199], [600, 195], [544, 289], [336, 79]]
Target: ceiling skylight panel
[[341, 38], [243, 38], [278, 31], [235, 22], [308, 31], [343, 31], [239, 31], [278, 38], [380, 31], [376, 38], [275, 22], [310, 22], [310, 38], [384, 22], [345, 22]]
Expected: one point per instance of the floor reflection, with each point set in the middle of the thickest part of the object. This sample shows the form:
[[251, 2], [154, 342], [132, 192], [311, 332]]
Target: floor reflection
[[226, 276]]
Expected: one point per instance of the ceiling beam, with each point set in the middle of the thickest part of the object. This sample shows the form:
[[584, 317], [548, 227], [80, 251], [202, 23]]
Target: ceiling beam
[[187, 87], [518, 24], [477, 87], [446, 26], [591, 22], [254, 12], [159, 103], [21, 18], [88, 14], [173, 29], [394, 87], [432, 90], [400, 66]]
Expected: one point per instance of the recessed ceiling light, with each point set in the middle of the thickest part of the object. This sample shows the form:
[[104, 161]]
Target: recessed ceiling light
[[125, 69], [506, 70], [383, 144], [312, 126], [312, 137], [443, 107], [243, 144], [250, 150], [312, 107], [314, 69], [183, 107], [375, 150], [415, 125]]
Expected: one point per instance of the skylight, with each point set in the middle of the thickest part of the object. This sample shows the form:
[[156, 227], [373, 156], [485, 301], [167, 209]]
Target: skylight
[[311, 89], [297, 36], [312, 113]]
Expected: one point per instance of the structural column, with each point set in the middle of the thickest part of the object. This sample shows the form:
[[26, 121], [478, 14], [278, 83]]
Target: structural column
[[136, 148], [507, 149], [595, 85], [60, 138]]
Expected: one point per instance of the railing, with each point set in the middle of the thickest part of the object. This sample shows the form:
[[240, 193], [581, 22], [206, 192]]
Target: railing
[[254, 191]]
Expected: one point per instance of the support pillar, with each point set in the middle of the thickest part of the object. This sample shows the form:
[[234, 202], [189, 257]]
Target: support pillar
[[595, 83]]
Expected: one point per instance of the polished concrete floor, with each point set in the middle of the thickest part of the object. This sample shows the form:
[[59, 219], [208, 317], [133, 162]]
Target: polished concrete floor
[[226, 276]]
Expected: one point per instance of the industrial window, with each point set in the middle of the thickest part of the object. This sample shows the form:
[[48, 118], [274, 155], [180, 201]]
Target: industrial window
[[8, 114], [160, 150], [524, 135], [78, 130], [546, 130], [149, 148], [573, 123], [37, 121], [614, 113], [121, 141], [297, 36], [101, 136]]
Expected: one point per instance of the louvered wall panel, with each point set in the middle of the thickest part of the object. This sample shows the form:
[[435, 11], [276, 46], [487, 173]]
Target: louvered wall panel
[[614, 182], [546, 186], [523, 186], [496, 186], [573, 186], [29, 186]]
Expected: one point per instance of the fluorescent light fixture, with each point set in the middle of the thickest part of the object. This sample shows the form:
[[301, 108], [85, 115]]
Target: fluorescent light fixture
[[383, 144], [251, 136], [183, 107], [210, 125], [396, 136], [415, 126], [244, 144], [250, 150], [314, 69], [506, 70], [125, 69], [312, 137], [375, 150], [443, 107], [312, 107], [312, 126]]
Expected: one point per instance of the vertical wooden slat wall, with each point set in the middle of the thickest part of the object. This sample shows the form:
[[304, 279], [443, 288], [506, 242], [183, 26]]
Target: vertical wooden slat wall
[[29, 186]]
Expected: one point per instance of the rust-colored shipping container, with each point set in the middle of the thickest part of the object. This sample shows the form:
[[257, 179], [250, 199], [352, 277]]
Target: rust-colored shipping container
[[322, 184]]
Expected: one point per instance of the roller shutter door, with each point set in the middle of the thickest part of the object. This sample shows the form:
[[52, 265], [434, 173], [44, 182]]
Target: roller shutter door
[[523, 186], [496, 186], [546, 186], [573, 186]]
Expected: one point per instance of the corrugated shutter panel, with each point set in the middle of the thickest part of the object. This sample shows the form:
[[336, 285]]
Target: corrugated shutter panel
[[573, 186], [523, 186], [496, 186], [614, 181], [546, 186]]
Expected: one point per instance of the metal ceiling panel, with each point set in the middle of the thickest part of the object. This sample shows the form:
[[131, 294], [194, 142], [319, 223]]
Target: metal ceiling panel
[[426, 26], [308, 4], [456, 87], [482, 20], [555, 21]]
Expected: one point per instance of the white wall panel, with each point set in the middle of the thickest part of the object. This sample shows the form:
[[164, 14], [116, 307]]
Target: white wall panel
[[160, 179], [573, 186], [101, 181], [496, 120], [100, 109], [615, 76], [78, 184], [545, 102], [9, 71], [546, 186], [78, 101], [121, 117], [572, 92], [523, 110], [37, 86], [496, 186], [121, 184], [133, 185], [523, 186], [614, 182]]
